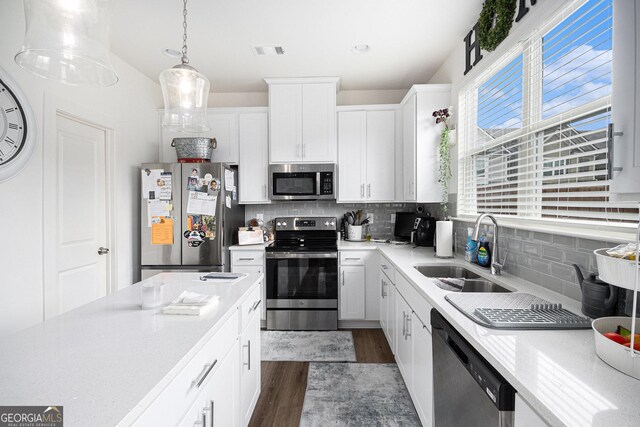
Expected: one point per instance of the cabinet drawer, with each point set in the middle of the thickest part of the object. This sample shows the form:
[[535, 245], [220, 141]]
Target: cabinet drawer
[[247, 258], [170, 406], [250, 307], [353, 257], [418, 303], [386, 268]]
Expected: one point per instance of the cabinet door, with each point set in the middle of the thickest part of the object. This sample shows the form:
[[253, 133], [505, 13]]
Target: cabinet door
[[391, 317], [409, 149], [263, 292], [352, 135], [403, 336], [319, 122], [224, 128], [254, 158], [384, 298], [285, 123], [380, 158], [249, 369], [352, 289], [422, 371], [372, 287]]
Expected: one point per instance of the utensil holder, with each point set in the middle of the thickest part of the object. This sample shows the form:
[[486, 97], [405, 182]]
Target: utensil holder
[[354, 232]]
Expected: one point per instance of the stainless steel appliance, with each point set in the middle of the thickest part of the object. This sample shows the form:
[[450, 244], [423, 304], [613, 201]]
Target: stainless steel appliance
[[189, 218], [424, 230], [302, 274], [467, 390], [303, 182]]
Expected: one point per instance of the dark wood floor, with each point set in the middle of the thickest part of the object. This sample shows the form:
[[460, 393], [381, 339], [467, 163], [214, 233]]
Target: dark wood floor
[[285, 383]]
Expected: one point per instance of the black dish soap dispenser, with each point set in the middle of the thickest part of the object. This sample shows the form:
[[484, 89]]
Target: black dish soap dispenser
[[484, 253]]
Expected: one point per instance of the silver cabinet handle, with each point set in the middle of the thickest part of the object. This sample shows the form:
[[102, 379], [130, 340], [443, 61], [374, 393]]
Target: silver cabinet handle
[[368, 190], [303, 151], [212, 405], [352, 259], [246, 259], [264, 190], [404, 325], [103, 251], [255, 305], [342, 277], [382, 288], [408, 328], [205, 371], [384, 266], [248, 364]]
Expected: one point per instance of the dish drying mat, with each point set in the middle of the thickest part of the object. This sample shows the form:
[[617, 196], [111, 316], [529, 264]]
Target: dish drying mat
[[516, 311]]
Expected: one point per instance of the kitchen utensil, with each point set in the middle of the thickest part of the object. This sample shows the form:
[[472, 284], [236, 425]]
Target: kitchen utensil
[[599, 298], [359, 216], [194, 150], [350, 218], [365, 222]]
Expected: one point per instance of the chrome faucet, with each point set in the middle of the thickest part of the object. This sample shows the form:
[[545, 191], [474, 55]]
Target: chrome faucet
[[496, 267]]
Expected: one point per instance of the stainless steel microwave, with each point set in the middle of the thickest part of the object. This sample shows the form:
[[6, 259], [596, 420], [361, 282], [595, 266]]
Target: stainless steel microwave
[[302, 181]]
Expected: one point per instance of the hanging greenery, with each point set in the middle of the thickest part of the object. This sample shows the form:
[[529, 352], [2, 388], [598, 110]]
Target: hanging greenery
[[444, 155], [495, 22]]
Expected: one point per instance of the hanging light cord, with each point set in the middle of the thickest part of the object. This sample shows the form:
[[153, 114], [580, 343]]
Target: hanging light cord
[[185, 60]]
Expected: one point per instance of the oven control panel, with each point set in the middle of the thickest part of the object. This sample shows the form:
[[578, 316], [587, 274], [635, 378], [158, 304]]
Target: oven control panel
[[306, 223]]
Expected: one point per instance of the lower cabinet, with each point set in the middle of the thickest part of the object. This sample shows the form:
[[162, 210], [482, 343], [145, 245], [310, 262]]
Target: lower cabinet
[[249, 368], [404, 346], [352, 292], [217, 403], [251, 261], [358, 293], [422, 371]]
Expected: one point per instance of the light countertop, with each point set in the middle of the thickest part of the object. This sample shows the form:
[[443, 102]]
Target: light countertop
[[101, 360], [557, 372], [257, 247]]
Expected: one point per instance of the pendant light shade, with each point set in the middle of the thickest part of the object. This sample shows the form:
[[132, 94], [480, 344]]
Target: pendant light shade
[[68, 41], [185, 92]]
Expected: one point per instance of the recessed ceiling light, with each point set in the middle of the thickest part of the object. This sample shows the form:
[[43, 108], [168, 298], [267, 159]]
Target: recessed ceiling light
[[172, 53], [361, 48], [268, 50]]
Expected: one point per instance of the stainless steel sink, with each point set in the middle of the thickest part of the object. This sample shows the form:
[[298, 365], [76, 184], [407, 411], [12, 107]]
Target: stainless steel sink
[[458, 279]]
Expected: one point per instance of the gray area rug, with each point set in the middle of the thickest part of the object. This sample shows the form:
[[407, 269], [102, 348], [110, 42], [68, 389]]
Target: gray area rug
[[357, 394], [303, 346]]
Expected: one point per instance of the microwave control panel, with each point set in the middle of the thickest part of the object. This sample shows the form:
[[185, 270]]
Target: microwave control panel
[[326, 183]]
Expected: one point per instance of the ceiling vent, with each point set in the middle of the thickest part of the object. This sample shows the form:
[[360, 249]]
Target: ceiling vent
[[268, 50]]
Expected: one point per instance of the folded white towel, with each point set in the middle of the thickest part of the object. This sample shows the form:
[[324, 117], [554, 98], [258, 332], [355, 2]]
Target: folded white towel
[[191, 303]]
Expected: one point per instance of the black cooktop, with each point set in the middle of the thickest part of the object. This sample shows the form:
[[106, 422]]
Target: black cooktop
[[304, 246]]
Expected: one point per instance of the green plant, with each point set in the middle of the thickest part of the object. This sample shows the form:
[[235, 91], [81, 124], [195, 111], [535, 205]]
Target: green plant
[[495, 22], [444, 154]]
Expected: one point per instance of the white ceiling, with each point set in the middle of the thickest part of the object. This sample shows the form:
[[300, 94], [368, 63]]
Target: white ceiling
[[409, 39]]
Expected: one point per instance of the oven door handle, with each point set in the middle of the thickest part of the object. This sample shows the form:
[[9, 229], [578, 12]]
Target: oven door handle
[[285, 255]]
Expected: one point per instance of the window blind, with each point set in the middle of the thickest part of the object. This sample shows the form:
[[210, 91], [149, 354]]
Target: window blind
[[534, 128]]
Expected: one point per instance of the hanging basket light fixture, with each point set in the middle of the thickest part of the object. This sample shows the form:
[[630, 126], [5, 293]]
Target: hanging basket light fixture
[[68, 41], [185, 92]]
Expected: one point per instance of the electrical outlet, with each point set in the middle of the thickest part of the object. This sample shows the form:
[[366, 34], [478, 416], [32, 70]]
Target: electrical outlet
[[370, 218], [393, 218], [260, 217]]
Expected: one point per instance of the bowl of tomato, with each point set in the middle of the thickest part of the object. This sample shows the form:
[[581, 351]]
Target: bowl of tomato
[[613, 344]]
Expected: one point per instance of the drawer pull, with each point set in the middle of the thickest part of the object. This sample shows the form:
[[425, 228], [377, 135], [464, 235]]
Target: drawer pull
[[352, 259], [246, 259], [255, 305], [212, 412], [248, 364], [384, 267], [205, 371]]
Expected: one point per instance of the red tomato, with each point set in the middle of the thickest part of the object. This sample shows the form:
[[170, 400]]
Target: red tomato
[[636, 345], [615, 337]]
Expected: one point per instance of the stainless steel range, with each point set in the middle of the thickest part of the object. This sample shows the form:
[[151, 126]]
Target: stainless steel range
[[302, 274]]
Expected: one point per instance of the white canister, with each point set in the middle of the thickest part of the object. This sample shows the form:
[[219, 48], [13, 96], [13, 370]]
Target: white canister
[[151, 294], [444, 239], [354, 232]]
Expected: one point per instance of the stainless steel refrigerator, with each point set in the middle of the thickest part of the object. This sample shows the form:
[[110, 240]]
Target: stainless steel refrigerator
[[190, 216]]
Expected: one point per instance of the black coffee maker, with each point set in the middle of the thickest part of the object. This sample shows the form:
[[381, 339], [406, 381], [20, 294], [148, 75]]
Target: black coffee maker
[[424, 230]]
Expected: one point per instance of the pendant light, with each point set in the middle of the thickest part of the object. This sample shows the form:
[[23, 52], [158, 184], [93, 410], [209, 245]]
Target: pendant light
[[68, 41], [185, 92]]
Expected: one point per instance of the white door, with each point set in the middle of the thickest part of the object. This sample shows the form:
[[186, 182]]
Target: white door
[[422, 370], [381, 143], [409, 149], [224, 128], [81, 211], [319, 122], [285, 123], [352, 291], [254, 158], [403, 336], [351, 155], [249, 369]]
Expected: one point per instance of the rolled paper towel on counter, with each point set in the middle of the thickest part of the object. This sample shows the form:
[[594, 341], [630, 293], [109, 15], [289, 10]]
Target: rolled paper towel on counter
[[444, 239]]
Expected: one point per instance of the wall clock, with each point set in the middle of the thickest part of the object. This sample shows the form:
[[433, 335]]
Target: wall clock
[[17, 128]]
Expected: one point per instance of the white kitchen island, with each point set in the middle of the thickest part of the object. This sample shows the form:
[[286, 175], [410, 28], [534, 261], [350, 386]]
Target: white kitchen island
[[112, 363]]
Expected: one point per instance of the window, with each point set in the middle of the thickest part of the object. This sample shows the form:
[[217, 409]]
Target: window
[[534, 128]]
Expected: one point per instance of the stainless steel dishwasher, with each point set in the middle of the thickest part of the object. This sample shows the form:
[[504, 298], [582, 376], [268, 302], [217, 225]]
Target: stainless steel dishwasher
[[467, 390]]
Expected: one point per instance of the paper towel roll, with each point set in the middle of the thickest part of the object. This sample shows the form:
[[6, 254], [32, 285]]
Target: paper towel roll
[[444, 239]]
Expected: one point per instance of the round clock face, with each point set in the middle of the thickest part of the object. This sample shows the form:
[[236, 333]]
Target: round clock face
[[13, 125], [17, 128]]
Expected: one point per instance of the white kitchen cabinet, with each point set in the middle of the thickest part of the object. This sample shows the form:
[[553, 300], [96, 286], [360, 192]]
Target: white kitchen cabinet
[[302, 120], [352, 292], [422, 370], [216, 405], [251, 261], [249, 365], [387, 301], [525, 416], [253, 160], [372, 282], [224, 128], [404, 348], [625, 102], [366, 154], [421, 137]]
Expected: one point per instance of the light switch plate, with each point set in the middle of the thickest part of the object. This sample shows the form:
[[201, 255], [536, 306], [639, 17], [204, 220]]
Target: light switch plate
[[393, 218], [260, 217], [370, 218]]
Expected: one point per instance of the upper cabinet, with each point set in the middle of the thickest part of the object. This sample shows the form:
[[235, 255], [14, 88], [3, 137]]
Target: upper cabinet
[[253, 166], [420, 142], [224, 128], [625, 109], [366, 154], [302, 120]]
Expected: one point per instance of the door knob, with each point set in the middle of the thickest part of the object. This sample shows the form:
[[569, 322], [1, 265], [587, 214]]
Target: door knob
[[103, 251]]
